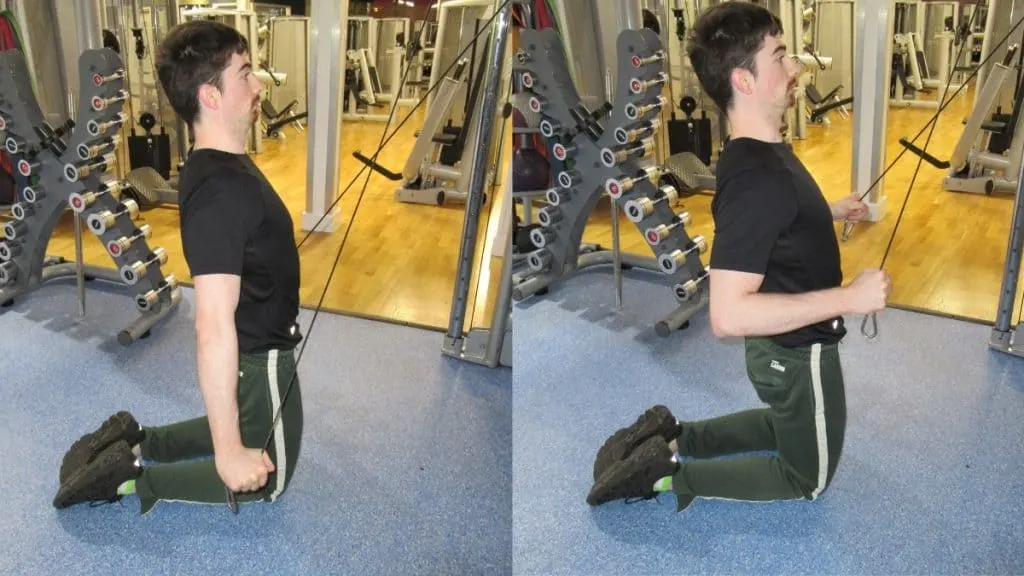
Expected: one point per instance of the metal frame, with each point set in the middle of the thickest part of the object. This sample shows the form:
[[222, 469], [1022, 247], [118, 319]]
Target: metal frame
[[873, 53], [328, 38], [1005, 337], [491, 346]]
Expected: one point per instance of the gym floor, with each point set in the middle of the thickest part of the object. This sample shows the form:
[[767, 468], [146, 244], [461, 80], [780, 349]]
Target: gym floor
[[405, 464], [930, 481]]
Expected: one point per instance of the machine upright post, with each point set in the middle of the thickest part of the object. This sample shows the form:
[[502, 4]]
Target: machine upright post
[[484, 133]]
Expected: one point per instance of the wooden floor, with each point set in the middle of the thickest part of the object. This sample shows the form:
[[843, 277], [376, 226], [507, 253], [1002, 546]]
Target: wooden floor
[[949, 249], [399, 262]]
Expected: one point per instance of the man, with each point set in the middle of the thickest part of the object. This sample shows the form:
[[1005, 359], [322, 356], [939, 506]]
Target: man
[[239, 244], [775, 280]]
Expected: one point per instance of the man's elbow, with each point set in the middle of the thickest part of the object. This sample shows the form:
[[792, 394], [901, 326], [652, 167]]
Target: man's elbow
[[723, 322]]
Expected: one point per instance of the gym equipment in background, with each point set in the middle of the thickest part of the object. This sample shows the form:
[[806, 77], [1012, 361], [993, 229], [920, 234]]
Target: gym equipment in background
[[601, 151], [54, 174], [974, 167], [438, 168]]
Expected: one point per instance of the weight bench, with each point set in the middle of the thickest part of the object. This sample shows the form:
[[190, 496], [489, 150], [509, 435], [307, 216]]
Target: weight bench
[[818, 102]]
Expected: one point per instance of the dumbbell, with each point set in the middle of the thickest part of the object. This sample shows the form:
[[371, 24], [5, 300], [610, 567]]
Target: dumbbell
[[639, 62], [538, 103], [22, 211], [569, 178], [657, 234], [15, 229], [99, 103], [87, 151], [146, 302], [624, 136], [98, 128], [3, 122], [671, 262], [14, 144], [117, 247], [561, 151], [527, 79], [9, 250], [523, 57], [74, 173], [130, 273], [33, 194], [640, 208], [28, 167], [635, 112], [687, 290], [554, 196], [616, 187], [8, 272], [549, 215], [549, 127], [611, 158], [638, 86], [79, 201], [100, 221], [541, 236], [99, 80], [539, 260]]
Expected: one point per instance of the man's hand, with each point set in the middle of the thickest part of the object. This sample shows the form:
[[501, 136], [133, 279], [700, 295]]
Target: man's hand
[[244, 469], [849, 208], [869, 291]]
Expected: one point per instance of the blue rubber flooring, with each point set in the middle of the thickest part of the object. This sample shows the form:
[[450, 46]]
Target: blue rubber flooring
[[931, 479], [405, 465]]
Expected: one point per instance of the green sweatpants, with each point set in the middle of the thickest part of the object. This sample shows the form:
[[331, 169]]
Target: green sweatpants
[[804, 424], [186, 470]]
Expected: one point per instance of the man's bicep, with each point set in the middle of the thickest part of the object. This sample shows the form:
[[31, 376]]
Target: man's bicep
[[216, 298], [728, 288]]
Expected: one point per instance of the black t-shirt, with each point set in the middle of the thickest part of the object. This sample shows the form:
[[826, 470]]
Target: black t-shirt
[[772, 219], [233, 222]]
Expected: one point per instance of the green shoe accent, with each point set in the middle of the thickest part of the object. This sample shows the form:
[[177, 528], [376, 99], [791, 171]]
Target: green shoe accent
[[663, 485], [127, 488]]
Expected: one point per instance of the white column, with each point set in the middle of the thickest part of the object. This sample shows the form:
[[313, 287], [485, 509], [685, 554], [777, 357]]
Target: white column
[[328, 31], [872, 56]]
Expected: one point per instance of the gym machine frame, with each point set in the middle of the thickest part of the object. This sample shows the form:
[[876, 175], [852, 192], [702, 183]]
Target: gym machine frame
[[53, 174], [1005, 337], [970, 168], [608, 160], [492, 346]]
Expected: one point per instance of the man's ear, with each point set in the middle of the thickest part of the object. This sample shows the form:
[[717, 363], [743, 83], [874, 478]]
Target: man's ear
[[742, 81], [209, 96]]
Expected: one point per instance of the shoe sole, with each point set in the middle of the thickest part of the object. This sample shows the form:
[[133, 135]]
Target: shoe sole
[[610, 486], [82, 454], [71, 492], [657, 420]]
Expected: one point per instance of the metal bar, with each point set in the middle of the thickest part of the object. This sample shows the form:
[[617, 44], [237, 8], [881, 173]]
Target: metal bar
[[870, 83], [88, 15], [483, 137], [502, 314], [1011, 270], [328, 38]]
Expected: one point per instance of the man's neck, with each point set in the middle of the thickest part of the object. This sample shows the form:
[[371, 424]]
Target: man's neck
[[750, 123], [218, 138]]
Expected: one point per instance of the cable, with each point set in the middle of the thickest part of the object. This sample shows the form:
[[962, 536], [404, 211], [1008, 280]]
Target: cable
[[872, 317], [849, 224], [232, 500], [385, 142]]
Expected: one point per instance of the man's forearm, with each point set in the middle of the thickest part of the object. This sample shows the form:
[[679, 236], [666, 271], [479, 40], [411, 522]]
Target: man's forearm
[[218, 379], [770, 314]]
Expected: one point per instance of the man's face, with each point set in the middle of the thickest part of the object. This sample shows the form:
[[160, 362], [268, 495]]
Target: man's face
[[240, 99], [777, 76]]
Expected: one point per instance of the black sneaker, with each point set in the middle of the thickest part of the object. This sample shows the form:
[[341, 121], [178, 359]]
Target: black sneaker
[[635, 476], [656, 421], [98, 480], [120, 426]]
